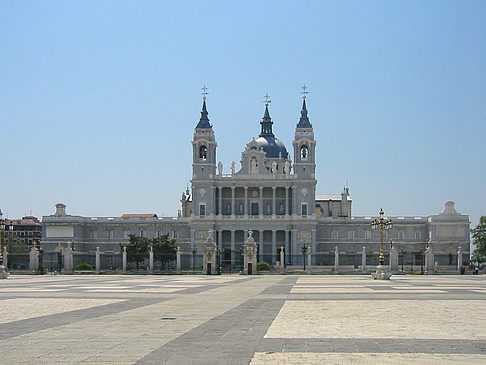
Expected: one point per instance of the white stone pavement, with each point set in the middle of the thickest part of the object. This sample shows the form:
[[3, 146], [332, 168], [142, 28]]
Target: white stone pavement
[[264, 319]]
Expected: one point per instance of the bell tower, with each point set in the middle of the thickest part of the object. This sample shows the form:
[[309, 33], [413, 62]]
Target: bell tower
[[304, 163], [203, 164], [304, 145]]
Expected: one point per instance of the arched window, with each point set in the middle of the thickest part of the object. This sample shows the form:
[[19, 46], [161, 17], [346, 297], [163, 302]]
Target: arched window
[[203, 153], [304, 152]]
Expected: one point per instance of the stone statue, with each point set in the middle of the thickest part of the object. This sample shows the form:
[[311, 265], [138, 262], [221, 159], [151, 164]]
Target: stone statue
[[254, 166], [210, 237], [287, 167], [233, 164], [220, 168], [274, 167]]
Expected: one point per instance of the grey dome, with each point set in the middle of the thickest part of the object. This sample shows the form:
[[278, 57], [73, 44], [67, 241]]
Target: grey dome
[[273, 147]]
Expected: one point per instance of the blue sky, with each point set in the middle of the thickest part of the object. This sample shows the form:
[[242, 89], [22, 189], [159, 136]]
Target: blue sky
[[99, 99]]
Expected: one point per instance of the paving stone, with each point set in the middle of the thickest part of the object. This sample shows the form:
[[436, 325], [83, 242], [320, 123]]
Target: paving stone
[[233, 319]]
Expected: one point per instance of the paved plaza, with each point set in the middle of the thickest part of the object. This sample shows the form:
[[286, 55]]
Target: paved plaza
[[234, 319]]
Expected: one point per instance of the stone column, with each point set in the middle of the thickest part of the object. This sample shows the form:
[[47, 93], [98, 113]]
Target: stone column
[[309, 259], [459, 258], [33, 259], [5, 257], [98, 262], [394, 259], [274, 246], [294, 200], [232, 245], [314, 248], [246, 202], [363, 259], [286, 200], [220, 204], [124, 259], [336, 260], [274, 201], [260, 245], [295, 251], [220, 240], [68, 260], [233, 202], [282, 257], [287, 250], [151, 259], [250, 255], [3, 265], [260, 210], [178, 260], [429, 260]]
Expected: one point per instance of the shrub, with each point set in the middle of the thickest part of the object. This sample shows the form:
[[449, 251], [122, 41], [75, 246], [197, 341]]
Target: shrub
[[263, 266], [84, 267]]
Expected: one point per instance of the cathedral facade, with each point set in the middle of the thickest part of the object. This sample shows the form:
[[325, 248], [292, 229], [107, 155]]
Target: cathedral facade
[[272, 193]]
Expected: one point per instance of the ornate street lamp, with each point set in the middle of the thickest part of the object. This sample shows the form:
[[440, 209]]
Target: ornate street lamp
[[382, 224], [304, 248]]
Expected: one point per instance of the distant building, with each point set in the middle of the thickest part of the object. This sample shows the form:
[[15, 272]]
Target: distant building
[[274, 195], [27, 230]]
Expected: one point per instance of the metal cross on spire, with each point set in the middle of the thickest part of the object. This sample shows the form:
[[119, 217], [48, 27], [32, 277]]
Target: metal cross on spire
[[267, 99], [204, 93], [304, 91]]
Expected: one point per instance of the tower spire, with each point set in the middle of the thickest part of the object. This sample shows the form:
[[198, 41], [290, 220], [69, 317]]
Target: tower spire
[[204, 120], [304, 119], [267, 121]]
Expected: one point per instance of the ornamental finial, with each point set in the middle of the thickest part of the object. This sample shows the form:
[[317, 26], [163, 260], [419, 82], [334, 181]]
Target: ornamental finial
[[204, 93], [304, 91], [267, 99]]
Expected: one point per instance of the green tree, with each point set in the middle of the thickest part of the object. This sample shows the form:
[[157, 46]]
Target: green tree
[[165, 249], [479, 240], [15, 245], [137, 249]]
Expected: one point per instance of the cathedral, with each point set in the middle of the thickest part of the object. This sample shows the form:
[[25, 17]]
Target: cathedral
[[272, 193]]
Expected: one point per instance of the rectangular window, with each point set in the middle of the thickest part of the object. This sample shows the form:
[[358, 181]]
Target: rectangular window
[[367, 234], [93, 233], [418, 234], [304, 209], [351, 234], [141, 233], [202, 210], [110, 233], [334, 234], [159, 233], [126, 233], [401, 234]]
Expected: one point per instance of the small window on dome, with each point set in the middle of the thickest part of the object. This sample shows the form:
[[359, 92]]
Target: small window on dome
[[203, 153], [304, 152]]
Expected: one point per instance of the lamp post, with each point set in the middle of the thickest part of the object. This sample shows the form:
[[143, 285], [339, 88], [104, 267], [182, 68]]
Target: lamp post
[[194, 251], [218, 257], [423, 256], [401, 254], [304, 248], [382, 224]]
